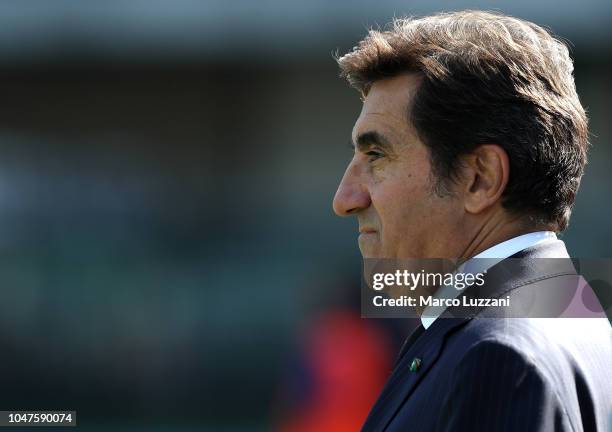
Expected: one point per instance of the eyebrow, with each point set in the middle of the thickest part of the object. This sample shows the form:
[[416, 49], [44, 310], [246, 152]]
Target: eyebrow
[[369, 139]]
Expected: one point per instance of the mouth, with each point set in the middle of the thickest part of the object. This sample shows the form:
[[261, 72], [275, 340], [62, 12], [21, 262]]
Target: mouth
[[367, 231]]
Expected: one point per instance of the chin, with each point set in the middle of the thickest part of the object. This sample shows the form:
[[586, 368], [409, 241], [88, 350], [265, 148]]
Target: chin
[[365, 253], [369, 245], [372, 253]]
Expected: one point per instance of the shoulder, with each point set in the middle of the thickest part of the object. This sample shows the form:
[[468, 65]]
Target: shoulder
[[538, 341], [559, 364]]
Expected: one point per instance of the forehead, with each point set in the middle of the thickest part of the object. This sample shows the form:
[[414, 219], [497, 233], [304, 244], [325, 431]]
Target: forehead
[[385, 108]]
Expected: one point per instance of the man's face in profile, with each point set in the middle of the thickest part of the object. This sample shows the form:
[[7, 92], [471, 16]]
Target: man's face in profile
[[388, 184]]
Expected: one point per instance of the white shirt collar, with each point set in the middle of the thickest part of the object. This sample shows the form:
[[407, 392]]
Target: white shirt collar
[[494, 255]]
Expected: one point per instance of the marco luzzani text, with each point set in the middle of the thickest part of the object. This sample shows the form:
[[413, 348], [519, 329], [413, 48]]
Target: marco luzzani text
[[412, 280]]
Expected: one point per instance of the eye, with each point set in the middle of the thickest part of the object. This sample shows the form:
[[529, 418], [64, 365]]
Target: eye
[[374, 155]]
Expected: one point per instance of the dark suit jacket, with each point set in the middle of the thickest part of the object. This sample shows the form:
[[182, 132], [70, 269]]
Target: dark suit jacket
[[503, 374]]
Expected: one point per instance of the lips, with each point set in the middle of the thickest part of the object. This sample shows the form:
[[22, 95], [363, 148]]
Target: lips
[[366, 230]]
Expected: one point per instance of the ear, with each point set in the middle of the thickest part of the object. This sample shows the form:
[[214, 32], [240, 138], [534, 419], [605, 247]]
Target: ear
[[486, 171]]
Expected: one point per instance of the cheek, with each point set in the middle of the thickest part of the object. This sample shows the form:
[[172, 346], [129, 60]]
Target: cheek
[[401, 202]]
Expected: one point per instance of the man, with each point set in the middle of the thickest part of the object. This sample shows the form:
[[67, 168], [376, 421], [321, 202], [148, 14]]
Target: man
[[471, 143]]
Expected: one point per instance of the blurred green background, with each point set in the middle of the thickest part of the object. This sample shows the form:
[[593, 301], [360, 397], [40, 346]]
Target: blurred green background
[[166, 177]]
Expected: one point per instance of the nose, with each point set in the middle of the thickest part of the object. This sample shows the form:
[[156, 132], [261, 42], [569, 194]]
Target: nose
[[352, 195]]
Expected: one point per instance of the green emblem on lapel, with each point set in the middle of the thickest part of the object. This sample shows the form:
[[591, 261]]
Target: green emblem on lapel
[[415, 365]]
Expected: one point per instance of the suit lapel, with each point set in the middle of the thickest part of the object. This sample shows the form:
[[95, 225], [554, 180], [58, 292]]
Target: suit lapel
[[410, 340], [403, 381]]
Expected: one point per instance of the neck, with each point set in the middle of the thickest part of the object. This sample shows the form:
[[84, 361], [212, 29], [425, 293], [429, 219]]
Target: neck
[[496, 229]]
